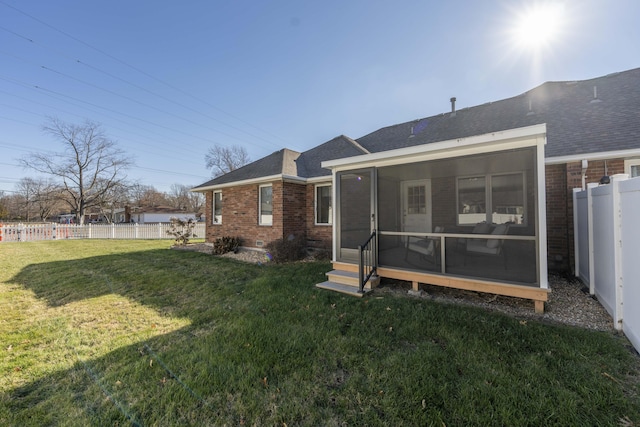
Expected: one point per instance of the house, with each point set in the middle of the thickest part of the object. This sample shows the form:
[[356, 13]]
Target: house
[[152, 215], [477, 198]]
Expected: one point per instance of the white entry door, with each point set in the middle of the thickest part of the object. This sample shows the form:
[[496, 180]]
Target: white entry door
[[416, 206]]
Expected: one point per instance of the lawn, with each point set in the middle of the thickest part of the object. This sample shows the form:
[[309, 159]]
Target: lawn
[[131, 333]]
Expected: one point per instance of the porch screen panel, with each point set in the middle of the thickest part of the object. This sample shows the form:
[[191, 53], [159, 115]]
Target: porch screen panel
[[472, 203], [355, 208], [507, 199], [468, 197]]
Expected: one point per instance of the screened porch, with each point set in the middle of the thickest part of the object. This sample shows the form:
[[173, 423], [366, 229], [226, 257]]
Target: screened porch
[[466, 213], [471, 216]]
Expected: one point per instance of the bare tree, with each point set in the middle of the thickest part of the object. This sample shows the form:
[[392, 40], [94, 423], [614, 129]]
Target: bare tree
[[40, 195], [223, 160], [90, 165], [146, 195], [4, 211], [183, 198]]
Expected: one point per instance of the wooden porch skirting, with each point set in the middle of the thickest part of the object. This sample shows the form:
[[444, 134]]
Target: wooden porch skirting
[[538, 295]]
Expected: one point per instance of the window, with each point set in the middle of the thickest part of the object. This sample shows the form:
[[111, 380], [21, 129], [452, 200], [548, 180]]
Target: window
[[632, 167], [416, 200], [324, 211], [265, 214], [217, 207], [495, 199]]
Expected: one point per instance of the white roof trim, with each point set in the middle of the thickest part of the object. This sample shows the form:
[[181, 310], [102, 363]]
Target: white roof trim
[[528, 133], [357, 145], [602, 155], [260, 180]]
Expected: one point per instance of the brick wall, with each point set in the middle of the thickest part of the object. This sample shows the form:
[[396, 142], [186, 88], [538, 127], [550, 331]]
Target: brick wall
[[240, 213]]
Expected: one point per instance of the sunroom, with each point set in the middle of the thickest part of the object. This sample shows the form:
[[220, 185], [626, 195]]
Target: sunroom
[[467, 213]]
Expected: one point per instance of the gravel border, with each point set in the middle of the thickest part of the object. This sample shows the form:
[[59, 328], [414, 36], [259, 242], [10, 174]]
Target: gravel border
[[569, 301]]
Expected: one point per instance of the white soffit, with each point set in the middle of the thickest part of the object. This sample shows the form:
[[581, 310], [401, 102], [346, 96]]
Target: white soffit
[[495, 141], [602, 155]]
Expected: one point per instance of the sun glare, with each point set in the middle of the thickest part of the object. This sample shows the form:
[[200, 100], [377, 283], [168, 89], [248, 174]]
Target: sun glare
[[539, 25]]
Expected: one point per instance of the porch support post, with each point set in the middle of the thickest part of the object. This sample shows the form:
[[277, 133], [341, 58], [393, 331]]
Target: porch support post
[[541, 225]]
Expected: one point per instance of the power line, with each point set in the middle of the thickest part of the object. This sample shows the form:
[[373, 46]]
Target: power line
[[137, 70]]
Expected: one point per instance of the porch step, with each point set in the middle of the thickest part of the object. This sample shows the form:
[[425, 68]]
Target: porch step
[[351, 279], [342, 288]]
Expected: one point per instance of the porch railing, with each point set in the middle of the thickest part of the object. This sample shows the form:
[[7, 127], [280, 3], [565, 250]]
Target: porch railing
[[368, 261]]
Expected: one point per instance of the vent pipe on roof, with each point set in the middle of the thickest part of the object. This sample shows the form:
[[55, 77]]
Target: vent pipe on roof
[[595, 96], [453, 106], [530, 112]]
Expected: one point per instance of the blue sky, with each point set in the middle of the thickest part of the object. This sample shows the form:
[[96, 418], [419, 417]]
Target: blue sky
[[168, 80]]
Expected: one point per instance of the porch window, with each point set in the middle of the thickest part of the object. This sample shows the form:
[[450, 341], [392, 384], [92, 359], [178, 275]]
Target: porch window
[[324, 211], [494, 199], [217, 207], [265, 203]]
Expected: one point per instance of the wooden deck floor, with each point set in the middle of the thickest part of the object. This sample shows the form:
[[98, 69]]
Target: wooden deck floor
[[538, 295]]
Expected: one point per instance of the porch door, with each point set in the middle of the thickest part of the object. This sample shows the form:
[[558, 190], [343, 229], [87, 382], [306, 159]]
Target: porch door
[[416, 205], [356, 212]]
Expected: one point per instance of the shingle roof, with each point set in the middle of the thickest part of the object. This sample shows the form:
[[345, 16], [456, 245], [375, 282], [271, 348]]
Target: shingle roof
[[576, 123], [280, 162], [291, 163], [339, 147]]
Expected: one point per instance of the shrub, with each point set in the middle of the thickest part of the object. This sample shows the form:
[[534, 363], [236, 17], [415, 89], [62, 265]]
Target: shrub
[[225, 244], [292, 248], [182, 230]]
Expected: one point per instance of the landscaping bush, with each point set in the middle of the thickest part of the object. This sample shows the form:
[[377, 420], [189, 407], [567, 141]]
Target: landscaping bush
[[225, 244], [182, 230], [289, 249]]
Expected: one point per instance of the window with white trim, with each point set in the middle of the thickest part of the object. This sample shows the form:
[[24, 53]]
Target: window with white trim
[[216, 209], [265, 203], [494, 199], [632, 167], [323, 203]]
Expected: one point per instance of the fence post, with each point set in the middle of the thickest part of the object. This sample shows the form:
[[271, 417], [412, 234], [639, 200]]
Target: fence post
[[159, 230], [592, 274], [113, 231], [617, 238]]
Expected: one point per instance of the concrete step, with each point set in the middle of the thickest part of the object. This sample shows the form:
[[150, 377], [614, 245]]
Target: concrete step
[[351, 279], [342, 288]]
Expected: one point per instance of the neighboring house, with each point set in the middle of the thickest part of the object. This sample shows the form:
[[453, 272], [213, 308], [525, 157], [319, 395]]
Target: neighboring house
[[148, 215], [477, 198]]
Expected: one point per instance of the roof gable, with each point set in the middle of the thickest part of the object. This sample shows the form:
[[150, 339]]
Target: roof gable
[[281, 162]]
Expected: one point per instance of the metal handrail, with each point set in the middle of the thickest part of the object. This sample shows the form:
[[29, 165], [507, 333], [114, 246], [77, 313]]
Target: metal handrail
[[368, 260]]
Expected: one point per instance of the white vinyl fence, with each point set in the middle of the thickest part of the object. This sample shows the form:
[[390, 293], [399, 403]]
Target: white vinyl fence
[[607, 248], [54, 231]]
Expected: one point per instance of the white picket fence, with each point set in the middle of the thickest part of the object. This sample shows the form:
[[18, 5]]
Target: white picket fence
[[607, 248], [54, 231]]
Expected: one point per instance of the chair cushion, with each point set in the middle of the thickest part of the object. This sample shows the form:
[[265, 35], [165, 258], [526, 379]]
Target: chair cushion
[[479, 246], [499, 230], [481, 228]]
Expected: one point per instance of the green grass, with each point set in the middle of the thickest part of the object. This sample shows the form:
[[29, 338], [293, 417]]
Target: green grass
[[130, 333]]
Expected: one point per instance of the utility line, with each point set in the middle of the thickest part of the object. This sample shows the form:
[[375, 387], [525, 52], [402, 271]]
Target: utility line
[[137, 69]]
